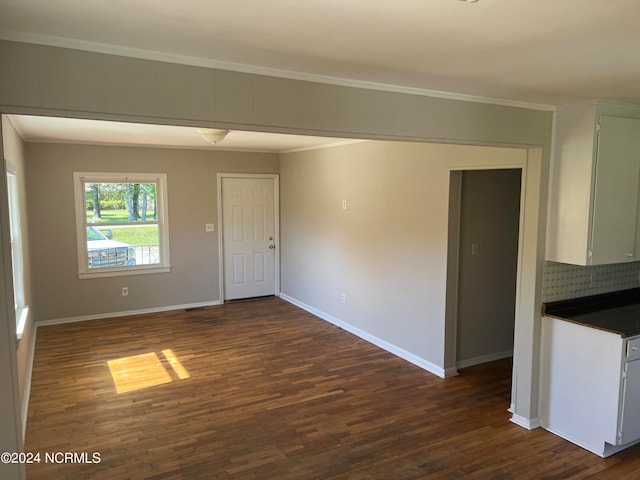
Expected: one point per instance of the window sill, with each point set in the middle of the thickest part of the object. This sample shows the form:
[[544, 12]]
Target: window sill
[[22, 315], [123, 272]]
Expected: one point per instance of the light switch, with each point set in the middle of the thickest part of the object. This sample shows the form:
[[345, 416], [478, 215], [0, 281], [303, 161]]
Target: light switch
[[209, 227], [474, 249]]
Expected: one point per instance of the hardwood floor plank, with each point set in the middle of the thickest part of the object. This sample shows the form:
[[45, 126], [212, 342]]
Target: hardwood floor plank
[[269, 391]]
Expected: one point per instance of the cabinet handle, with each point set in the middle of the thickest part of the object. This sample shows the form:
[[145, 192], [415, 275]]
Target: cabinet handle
[[630, 254], [634, 348]]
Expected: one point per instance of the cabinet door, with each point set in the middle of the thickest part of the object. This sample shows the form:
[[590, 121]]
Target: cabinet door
[[615, 201], [630, 416]]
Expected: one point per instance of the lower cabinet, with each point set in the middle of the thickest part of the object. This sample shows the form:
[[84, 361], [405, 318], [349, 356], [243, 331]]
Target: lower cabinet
[[630, 415], [590, 386]]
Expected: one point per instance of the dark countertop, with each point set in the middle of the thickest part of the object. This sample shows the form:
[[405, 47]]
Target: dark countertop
[[616, 312]]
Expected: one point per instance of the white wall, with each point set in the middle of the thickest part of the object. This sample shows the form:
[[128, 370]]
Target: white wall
[[388, 250]]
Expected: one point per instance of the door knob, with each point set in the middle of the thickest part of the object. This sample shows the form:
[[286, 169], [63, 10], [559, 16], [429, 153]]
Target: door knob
[[272, 247]]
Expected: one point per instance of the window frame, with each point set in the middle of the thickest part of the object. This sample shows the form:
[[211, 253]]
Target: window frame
[[17, 252], [160, 179]]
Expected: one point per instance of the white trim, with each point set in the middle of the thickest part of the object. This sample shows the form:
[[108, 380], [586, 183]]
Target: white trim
[[154, 55], [162, 221], [603, 450], [276, 225], [451, 320], [378, 342], [27, 380], [124, 271], [16, 239], [101, 316], [470, 362], [611, 449], [529, 424]]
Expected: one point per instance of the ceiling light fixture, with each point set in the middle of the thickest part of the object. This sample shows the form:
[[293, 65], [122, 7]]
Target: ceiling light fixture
[[213, 135]]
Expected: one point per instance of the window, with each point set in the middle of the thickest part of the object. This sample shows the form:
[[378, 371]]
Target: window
[[121, 222], [22, 311]]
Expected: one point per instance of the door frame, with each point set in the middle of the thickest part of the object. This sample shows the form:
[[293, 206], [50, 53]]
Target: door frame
[[276, 226], [526, 349]]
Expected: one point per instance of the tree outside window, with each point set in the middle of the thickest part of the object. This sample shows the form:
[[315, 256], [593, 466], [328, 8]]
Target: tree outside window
[[123, 222]]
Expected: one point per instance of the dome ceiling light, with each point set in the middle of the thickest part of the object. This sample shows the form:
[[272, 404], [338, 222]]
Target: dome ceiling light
[[213, 135]]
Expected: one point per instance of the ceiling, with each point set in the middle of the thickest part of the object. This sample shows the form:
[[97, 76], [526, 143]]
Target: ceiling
[[71, 130], [543, 52]]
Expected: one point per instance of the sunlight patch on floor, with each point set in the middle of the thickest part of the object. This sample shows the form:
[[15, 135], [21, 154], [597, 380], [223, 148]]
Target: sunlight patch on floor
[[146, 370]]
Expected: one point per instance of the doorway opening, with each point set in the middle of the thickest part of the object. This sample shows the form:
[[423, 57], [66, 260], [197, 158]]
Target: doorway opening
[[484, 233]]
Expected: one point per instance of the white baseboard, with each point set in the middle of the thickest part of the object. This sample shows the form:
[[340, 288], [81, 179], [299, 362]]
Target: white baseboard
[[597, 449], [602, 450], [399, 352], [100, 316], [27, 381], [470, 362], [528, 423]]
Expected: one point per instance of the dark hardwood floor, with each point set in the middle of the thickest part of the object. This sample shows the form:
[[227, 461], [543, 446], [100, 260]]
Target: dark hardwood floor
[[268, 391]]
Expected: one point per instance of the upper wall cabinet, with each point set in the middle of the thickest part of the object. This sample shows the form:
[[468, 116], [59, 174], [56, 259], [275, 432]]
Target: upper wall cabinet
[[594, 185]]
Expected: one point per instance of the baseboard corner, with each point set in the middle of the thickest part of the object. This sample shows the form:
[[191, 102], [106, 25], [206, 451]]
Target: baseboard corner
[[528, 423]]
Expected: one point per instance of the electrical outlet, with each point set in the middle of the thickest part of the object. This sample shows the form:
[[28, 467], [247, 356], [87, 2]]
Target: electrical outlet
[[208, 227], [344, 204], [125, 291], [343, 298]]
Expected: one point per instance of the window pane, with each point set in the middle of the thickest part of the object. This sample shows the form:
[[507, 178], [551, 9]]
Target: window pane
[[121, 223], [123, 245], [16, 243], [120, 202]]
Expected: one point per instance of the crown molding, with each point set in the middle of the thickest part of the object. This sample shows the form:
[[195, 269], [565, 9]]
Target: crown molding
[[109, 49]]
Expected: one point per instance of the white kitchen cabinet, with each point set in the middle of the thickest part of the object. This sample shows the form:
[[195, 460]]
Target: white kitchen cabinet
[[594, 185], [589, 386], [630, 414]]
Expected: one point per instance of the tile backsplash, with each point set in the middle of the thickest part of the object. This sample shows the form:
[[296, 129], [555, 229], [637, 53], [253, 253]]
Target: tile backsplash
[[561, 281]]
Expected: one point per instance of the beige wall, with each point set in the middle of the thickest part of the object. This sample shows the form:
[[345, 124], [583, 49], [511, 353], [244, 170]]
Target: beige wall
[[489, 217], [191, 186], [95, 85], [14, 156], [388, 250], [40, 79]]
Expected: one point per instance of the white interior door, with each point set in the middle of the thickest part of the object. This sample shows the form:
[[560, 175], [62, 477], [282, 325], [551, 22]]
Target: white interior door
[[249, 237]]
